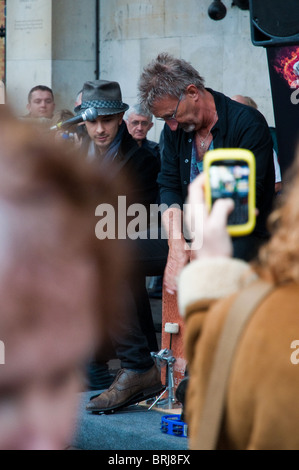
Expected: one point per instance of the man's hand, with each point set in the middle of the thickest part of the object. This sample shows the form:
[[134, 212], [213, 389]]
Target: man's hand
[[178, 255], [177, 259]]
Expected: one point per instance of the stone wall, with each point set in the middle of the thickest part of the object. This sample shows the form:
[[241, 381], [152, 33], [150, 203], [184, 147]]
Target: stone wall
[[74, 49], [54, 43], [29, 49], [134, 32], [2, 41], [49, 43]]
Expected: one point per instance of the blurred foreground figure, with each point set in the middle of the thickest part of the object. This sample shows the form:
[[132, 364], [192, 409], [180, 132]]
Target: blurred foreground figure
[[260, 406], [55, 284]]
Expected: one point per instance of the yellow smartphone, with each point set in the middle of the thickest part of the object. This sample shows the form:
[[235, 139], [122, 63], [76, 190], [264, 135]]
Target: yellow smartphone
[[230, 173]]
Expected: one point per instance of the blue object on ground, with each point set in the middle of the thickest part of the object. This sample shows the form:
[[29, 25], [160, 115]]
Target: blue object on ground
[[133, 428], [172, 424]]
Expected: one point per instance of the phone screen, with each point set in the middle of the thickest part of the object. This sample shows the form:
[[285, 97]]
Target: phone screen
[[230, 179]]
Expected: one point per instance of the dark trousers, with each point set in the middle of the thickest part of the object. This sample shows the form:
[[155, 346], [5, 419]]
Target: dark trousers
[[132, 337], [247, 247]]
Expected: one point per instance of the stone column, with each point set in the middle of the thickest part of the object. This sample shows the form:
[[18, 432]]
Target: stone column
[[2, 93], [29, 49]]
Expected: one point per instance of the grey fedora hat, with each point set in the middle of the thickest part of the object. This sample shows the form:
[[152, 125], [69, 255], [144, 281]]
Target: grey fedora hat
[[103, 95]]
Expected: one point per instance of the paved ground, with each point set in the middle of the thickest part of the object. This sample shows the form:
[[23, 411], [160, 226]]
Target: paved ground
[[135, 428]]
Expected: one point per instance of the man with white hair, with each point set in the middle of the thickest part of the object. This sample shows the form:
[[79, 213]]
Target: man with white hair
[[139, 122]]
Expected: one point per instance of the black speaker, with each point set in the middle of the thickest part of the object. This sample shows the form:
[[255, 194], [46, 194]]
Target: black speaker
[[274, 22], [242, 4]]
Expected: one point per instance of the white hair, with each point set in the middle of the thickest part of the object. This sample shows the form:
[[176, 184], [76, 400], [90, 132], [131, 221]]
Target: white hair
[[140, 110]]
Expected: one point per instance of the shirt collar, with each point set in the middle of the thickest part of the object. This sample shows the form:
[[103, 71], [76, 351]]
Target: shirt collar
[[221, 108]]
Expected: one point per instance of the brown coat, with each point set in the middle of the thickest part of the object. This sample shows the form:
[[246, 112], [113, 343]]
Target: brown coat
[[262, 404]]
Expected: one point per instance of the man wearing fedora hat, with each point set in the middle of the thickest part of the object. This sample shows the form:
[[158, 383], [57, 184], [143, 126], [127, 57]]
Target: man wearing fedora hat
[[109, 142]]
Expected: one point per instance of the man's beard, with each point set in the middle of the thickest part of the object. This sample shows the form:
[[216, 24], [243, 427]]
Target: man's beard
[[187, 127]]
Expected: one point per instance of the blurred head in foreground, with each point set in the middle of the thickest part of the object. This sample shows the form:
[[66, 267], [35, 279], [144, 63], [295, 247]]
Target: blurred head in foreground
[[57, 283]]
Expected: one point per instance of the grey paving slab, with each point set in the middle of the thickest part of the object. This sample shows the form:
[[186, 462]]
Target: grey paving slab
[[135, 429]]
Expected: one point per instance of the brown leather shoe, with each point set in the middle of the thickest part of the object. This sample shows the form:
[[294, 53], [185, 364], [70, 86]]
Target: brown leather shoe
[[128, 388]]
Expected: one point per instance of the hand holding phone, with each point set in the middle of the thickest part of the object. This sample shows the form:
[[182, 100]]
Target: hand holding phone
[[210, 236], [230, 173]]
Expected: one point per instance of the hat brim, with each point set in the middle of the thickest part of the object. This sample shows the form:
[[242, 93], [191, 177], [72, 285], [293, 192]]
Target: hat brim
[[109, 111], [77, 109], [104, 111]]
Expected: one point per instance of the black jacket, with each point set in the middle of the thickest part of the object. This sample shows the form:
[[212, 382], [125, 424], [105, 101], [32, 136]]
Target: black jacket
[[138, 166], [238, 126]]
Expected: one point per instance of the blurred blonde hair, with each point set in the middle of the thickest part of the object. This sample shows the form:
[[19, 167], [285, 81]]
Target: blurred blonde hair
[[63, 115], [279, 258]]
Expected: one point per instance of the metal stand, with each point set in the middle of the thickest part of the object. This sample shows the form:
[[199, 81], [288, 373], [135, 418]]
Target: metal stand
[[165, 358]]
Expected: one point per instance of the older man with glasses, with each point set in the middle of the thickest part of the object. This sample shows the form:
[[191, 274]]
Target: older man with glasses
[[199, 119], [139, 122]]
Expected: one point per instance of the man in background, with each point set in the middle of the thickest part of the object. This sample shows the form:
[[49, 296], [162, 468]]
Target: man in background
[[139, 122], [248, 101], [41, 103]]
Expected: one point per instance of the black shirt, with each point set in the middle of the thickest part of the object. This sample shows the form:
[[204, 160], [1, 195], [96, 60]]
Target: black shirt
[[238, 126]]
